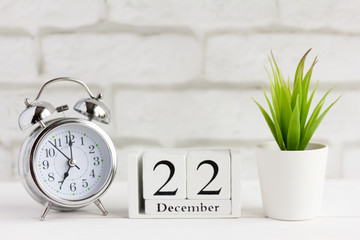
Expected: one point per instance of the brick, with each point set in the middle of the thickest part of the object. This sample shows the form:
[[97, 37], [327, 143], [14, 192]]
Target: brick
[[334, 160], [314, 14], [248, 162], [340, 125], [15, 163], [17, 59], [241, 58], [14, 98], [122, 158], [6, 167], [193, 118], [46, 13], [307, 14], [351, 162], [202, 13], [123, 58], [124, 150], [170, 116], [345, 15], [210, 114]]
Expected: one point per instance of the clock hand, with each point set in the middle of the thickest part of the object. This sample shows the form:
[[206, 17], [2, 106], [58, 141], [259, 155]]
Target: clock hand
[[66, 174], [59, 151], [70, 145], [71, 152], [63, 154]]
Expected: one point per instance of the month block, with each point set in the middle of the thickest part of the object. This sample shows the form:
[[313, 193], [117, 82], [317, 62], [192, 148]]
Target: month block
[[188, 207], [164, 174], [208, 174]]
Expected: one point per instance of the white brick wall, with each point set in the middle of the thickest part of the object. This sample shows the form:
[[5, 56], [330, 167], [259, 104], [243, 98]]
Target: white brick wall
[[315, 14], [36, 14], [200, 13], [230, 57], [351, 161], [180, 73], [135, 59], [18, 59], [169, 116], [7, 164]]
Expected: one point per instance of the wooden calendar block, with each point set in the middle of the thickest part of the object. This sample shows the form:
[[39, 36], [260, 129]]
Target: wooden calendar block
[[164, 174], [188, 207], [193, 171], [208, 174]]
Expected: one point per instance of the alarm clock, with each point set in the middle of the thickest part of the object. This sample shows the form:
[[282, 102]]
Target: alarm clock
[[66, 163]]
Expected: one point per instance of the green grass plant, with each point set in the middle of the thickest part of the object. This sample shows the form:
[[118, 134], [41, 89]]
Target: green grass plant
[[290, 120]]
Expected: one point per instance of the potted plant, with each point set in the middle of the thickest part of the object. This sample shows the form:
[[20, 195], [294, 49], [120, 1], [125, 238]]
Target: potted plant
[[292, 170]]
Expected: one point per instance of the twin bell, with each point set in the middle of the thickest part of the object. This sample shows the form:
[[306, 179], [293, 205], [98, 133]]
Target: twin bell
[[37, 111]]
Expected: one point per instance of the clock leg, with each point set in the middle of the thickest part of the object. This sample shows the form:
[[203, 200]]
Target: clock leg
[[101, 207], [47, 208]]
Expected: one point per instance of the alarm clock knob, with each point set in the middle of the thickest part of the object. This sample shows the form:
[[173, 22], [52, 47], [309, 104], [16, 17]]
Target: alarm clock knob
[[35, 113], [62, 108], [94, 109]]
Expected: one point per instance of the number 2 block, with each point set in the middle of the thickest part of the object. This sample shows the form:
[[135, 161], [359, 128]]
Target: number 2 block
[[164, 174], [208, 174]]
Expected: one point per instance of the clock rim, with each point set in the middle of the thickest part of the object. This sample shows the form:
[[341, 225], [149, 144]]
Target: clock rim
[[41, 193]]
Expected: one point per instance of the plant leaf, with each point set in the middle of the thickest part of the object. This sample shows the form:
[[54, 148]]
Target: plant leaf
[[268, 120], [293, 138], [275, 102], [300, 68], [306, 80], [317, 110], [310, 132], [298, 82], [297, 93], [277, 126], [290, 106], [305, 111], [279, 74], [286, 112]]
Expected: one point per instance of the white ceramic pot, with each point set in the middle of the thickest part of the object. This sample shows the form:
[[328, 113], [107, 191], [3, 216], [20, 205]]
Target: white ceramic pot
[[291, 181]]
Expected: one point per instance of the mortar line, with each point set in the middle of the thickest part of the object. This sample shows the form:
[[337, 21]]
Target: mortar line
[[107, 27], [196, 84]]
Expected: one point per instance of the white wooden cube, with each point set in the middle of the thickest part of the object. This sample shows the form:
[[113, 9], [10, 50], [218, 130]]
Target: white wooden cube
[[139, 207], [164, 174], [208, 174]]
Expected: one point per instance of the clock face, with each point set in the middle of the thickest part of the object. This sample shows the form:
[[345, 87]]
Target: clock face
[[72, 162]]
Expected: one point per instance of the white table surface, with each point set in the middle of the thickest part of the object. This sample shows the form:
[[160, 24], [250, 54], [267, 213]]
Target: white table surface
[[19, 218]]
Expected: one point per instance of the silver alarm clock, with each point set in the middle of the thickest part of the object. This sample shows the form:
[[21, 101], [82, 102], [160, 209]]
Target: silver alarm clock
[[66, 163]]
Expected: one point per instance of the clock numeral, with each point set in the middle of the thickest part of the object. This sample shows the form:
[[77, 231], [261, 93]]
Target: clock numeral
[[72, 139], [92, 147], [57, 142], [97, 161], [92, 173], [82, 140], [51, 177], [45, 164], [85, 184], [73, 187], [50, 152]]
